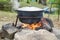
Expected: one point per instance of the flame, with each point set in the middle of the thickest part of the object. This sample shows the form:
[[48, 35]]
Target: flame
[[32, 26]]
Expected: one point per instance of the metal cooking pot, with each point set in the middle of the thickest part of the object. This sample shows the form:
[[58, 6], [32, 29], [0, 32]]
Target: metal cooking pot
[[30, 14]]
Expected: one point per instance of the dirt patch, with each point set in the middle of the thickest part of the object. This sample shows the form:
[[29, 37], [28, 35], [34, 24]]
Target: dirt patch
[[54, 19]]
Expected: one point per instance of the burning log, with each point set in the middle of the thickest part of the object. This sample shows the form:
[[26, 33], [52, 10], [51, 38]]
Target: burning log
[[32, 26]]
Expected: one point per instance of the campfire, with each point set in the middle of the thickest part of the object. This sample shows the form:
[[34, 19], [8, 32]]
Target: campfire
[[32, 18], [27, 18], [32, 26]]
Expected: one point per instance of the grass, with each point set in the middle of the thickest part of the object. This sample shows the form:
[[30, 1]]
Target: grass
[[7, 16], [23, 4]]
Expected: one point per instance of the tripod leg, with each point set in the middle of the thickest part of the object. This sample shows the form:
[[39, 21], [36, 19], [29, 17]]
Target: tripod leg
[[16, 21]]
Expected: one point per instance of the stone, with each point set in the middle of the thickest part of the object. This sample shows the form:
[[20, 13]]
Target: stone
[[9, 30], [56, 31], [35, 35], [46, 35]]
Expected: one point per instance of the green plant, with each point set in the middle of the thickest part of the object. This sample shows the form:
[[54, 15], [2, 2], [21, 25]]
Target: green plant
[[5, 5]]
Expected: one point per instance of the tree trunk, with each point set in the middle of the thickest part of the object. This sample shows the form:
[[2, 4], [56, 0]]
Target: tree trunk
[[42, 2], [28, 1], [15, 4], [36, 0]]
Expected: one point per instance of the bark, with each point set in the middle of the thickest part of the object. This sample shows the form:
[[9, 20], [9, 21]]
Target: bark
[[15, 4]]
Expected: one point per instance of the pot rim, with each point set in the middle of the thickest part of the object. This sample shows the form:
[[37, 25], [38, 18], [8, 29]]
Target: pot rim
[[30, 9]]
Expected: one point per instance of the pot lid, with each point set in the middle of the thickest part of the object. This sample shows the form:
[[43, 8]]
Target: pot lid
[[30, 9]]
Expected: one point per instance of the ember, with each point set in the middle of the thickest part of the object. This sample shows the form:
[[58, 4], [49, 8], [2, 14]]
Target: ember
[[32, 26]]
